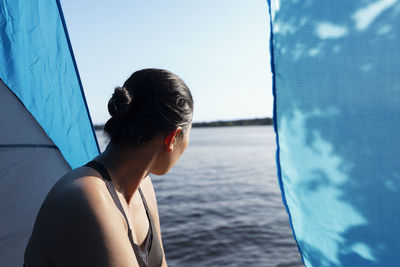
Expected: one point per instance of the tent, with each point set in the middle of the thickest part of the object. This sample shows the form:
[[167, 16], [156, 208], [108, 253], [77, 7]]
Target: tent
[[45, 125], [337, 119]]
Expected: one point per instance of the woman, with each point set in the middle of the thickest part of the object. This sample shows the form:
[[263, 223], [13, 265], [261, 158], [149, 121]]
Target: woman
[[105, 213]]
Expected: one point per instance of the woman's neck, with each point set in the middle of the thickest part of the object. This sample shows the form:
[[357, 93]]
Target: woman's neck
[[128, 167]]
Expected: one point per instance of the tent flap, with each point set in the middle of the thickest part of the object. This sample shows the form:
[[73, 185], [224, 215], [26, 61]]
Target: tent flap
[[337, 108], [38, 66]]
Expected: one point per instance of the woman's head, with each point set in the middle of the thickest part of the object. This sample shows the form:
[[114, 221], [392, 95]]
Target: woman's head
[[151, 102]]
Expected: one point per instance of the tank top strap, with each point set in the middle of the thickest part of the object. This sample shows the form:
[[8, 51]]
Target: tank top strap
[[111, 189], [142, 259], [145, 205], [154, 246]]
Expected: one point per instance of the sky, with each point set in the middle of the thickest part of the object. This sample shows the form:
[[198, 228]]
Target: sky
[[220, 48]]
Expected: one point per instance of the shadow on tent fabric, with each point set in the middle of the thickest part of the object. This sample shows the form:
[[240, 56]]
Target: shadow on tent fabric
[[337, 86]]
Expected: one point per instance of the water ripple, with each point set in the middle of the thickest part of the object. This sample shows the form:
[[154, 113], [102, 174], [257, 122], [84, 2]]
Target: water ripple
[[221, 204]]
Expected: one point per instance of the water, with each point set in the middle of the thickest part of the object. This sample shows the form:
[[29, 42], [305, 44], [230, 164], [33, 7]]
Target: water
[[221, 204]]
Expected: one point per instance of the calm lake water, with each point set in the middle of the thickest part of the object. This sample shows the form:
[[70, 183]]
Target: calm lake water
[[221, 204]]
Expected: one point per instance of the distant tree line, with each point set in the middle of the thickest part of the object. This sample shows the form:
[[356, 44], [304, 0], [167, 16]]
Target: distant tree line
[[248, 122]]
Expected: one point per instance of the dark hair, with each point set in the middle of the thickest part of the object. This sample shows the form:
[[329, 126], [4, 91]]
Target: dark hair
[[151, 101]]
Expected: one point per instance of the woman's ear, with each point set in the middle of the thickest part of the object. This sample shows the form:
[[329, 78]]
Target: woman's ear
[[170, 139]]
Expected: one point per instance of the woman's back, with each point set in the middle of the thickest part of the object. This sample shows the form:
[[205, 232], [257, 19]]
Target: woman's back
[[80, 225]]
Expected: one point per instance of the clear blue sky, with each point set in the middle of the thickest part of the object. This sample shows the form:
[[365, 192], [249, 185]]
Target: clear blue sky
[[220, 48]]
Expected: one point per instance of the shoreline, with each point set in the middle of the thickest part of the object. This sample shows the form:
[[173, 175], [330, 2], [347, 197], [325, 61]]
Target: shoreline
[[228, 123]]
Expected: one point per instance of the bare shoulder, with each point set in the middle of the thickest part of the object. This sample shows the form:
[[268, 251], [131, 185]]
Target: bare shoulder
[[81, 192], [81, 225]]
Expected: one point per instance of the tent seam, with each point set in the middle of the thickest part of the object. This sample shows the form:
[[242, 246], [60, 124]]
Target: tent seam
[[275, 123], [29, 145], [76, 70]]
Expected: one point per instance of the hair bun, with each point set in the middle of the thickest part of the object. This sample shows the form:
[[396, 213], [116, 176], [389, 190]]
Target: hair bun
[[119, 102]]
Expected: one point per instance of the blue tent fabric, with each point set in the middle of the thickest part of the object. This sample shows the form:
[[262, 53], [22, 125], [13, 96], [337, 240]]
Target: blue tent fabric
[[37, 65], [336, 67]]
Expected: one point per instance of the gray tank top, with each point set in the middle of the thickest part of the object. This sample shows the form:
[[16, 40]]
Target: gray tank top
[[151, 255]]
